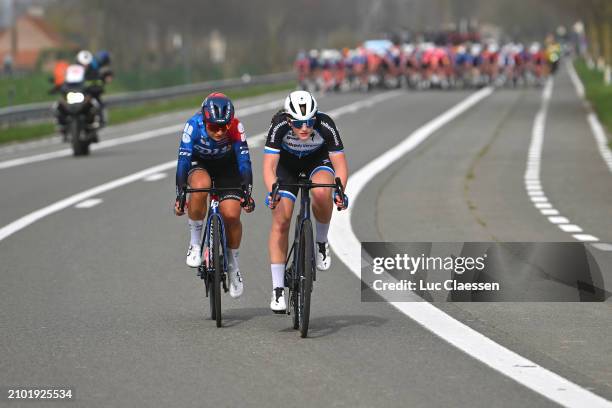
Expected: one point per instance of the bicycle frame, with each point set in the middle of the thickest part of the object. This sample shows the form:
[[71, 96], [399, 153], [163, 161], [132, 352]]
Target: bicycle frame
[[213, 212], [305, 185], [303, 215]]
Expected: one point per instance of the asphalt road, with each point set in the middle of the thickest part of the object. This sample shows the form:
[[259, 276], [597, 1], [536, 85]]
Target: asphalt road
[[100, 299]]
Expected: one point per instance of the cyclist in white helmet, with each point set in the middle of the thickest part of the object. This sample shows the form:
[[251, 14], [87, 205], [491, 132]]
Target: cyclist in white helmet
[[301, 139]]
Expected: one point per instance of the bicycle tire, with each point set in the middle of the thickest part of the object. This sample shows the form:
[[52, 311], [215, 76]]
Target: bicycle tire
[[215, 300], [306, 265], [294, 303]]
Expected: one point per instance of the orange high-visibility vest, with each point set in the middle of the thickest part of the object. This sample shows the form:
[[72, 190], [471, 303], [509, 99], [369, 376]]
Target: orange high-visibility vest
[[59, 72]]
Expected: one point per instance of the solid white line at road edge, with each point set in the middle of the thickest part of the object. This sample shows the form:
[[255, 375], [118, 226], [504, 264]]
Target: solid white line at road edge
[[348, 248], [596, 127]]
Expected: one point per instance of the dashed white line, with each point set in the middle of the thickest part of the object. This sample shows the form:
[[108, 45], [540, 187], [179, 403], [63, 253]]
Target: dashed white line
[[92, 202], [532, 173], [570, 228], [586, 237], [544, 205], [536, 193], [603, 246], [348, 248]]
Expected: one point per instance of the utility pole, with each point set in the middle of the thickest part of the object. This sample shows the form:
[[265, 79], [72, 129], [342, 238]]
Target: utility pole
[[13, 30]]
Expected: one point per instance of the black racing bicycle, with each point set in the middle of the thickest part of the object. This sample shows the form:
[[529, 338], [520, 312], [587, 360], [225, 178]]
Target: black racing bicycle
[[300, 266], [213, 269]]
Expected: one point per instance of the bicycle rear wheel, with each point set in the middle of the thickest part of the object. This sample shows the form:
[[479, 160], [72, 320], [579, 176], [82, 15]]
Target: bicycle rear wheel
[[306, 267], [215, 253]]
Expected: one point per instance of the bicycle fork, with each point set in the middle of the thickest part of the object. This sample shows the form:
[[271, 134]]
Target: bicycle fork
[[205, 270]]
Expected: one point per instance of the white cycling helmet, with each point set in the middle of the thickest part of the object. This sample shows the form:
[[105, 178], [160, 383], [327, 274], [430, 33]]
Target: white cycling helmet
[[301, 105], [84, 58]]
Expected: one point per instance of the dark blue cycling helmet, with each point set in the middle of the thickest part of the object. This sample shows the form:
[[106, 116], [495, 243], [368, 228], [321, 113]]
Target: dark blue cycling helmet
[[218, 109], [103, 57]]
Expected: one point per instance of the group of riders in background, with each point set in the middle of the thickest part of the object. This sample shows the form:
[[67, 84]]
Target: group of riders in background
[[454, 62]]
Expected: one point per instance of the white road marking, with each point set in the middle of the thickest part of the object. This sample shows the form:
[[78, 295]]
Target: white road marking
[[31, 218], [156, 177], [92, 202], [570, 228], [17, 147], [534, 193], [254, 141], [549, 211], [585, 237], [575, 79], [532, 172], [601, 139], [348, 248], [138, 137], [596, 128], [603, 246], [543, 205]]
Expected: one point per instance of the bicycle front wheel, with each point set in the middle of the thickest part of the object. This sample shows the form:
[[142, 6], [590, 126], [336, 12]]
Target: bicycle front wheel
[[306, 267], [215, 253]]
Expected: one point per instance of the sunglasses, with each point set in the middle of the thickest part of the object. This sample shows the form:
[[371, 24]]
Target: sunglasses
[[299, 123], [215, 128]]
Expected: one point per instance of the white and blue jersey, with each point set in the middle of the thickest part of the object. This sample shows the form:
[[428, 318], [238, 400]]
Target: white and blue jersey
[[281, 140], [302, 156]]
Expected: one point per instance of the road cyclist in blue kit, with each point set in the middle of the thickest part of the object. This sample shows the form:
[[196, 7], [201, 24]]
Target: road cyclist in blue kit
[[213, 148]]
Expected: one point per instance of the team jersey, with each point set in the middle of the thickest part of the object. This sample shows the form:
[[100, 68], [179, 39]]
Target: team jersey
[[196, 145], [282, 140]]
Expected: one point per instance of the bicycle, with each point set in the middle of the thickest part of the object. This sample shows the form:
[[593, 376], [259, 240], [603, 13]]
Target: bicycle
[[300, 270], [213, 269]]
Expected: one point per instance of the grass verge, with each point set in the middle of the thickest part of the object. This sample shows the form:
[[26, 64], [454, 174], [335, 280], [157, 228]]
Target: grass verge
[[122, 115], [597, 93]]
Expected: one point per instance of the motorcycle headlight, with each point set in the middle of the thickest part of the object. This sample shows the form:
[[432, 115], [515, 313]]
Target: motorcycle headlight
[[74, 97]]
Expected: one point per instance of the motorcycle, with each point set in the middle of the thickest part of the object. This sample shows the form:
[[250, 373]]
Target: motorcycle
[[80, 111]]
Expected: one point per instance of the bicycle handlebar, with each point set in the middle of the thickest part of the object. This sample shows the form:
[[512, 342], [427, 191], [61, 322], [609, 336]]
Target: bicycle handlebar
[[308, 185], [213, 190]]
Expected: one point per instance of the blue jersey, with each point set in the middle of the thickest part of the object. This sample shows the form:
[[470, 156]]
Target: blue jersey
[[196, 146]]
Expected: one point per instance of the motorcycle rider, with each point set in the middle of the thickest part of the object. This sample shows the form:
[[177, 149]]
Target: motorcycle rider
[[97, 75]]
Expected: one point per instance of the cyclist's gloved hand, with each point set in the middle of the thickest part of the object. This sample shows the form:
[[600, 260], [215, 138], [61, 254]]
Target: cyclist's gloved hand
[[177, 205], [247, 201], [341, 201], [269, 202]]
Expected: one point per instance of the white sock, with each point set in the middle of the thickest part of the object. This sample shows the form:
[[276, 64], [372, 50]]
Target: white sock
[[195, 228], [278, 275], [321, 231], [233, 257]]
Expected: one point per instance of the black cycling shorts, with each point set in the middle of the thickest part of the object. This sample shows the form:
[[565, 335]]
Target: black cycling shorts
[[225, 174], [290, 166]]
